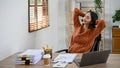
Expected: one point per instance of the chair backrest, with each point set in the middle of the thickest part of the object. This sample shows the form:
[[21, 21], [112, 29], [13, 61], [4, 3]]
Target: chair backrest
[[96, 43]]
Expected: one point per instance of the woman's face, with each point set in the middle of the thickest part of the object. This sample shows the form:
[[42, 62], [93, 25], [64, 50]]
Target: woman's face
[[87, 18]]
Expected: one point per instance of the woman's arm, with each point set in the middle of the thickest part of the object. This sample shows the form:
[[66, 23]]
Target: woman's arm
[[77, 13], [100, 26]]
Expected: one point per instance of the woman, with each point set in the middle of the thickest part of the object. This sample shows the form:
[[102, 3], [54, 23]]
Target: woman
[[84, 35]]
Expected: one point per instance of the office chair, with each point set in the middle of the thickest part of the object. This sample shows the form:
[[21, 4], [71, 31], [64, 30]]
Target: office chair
[[94, 48]]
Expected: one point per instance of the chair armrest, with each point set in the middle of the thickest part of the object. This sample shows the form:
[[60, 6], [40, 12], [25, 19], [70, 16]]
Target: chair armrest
[[63, 50]]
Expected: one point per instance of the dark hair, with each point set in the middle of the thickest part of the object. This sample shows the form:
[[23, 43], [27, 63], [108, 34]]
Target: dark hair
[[94, 17]]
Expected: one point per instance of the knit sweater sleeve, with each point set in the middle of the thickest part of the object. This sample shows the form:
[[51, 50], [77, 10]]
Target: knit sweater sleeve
[[100, 26], [77, 13]]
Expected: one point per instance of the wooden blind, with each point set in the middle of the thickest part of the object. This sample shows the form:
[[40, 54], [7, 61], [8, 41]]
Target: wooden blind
[[38, 14]]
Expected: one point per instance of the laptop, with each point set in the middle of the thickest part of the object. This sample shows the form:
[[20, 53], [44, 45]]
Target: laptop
[[91, 58]]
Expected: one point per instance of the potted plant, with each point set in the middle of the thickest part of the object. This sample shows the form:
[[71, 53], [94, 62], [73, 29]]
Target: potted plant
[[98, 7], [116, 16]]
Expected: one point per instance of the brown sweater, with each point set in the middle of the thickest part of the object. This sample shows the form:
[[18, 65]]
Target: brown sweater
[[83, 40]]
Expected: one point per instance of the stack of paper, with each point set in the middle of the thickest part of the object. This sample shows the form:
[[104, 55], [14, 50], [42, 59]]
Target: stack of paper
[[31, 56]]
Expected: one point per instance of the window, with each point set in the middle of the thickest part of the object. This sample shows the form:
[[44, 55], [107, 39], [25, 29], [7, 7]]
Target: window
[[38, 14]]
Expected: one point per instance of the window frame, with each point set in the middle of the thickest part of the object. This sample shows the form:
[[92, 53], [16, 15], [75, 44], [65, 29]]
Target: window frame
[[44, 22]]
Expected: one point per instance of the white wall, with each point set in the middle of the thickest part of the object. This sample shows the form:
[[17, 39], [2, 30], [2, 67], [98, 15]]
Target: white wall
[[108, 31], [14, 35], [55, 34]]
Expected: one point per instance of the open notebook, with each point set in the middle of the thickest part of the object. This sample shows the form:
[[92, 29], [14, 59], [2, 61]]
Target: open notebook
[[63, 59], [68, 58]]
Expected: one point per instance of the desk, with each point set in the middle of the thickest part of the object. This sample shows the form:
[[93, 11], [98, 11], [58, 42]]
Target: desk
[[113, 62]]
